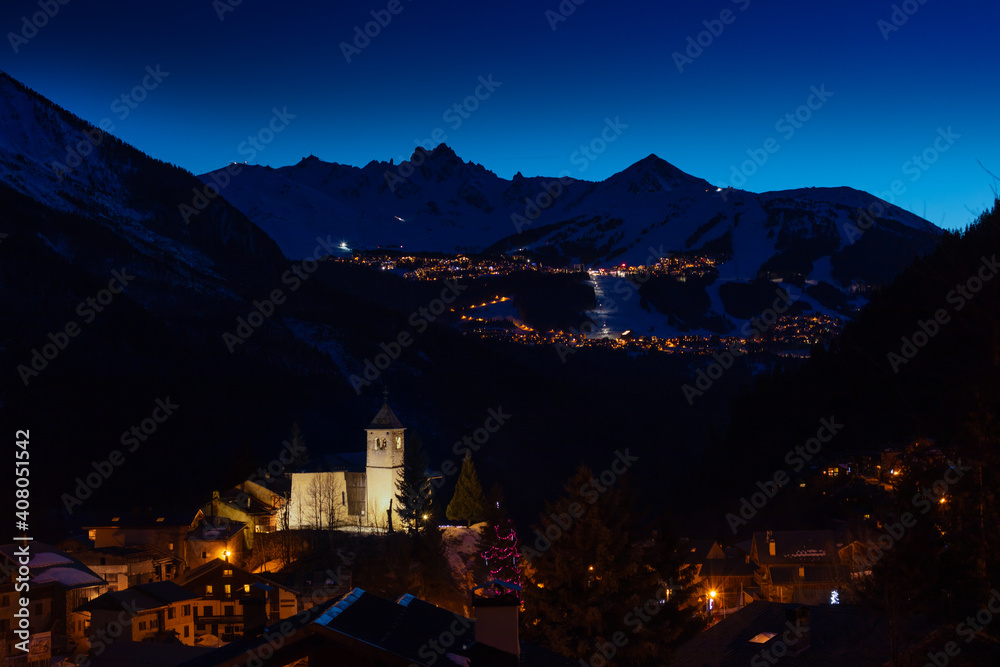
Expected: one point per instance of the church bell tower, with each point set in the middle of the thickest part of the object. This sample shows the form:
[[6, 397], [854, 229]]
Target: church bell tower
[[384, 465]]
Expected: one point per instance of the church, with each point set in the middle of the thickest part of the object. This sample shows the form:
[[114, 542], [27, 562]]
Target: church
[[356, 489]]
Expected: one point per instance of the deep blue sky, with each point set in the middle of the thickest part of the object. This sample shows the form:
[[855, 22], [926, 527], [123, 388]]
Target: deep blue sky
[[606, 60]]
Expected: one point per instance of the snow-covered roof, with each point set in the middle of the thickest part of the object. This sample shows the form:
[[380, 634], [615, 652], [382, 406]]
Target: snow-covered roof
[[51, 566]]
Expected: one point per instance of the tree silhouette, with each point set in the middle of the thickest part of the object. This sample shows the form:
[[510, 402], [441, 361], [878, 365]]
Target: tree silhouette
[[413, 493], [469, 503], [592, 574]]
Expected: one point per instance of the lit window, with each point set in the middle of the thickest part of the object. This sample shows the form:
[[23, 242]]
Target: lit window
[[208, 589], [763, 637], [227, 573], [246, 588], [399, 442], [229, 589]]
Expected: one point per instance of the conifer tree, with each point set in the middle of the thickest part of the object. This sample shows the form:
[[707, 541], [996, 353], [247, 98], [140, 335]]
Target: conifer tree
[[591, 572], [413, 492], [298, 445], [501, 555], [469, 503]]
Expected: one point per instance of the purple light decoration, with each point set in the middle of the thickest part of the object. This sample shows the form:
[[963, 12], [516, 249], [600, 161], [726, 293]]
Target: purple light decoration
[[502, 558]]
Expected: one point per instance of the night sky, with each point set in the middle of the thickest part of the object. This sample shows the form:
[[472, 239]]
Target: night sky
[[897, 87]]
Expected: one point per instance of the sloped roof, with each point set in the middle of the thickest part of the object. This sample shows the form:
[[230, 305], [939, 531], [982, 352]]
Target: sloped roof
[[385, 418], [796, 546], [148, 654], [188, 578], [350, 462], [211, 530], [839, 635], [142, 597], [49, 565], [695, 550], [813, 574], [139, 518], [725, 567], [396, 631]]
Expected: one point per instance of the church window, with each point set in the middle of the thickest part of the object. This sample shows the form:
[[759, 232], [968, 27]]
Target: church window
[[399, 442]]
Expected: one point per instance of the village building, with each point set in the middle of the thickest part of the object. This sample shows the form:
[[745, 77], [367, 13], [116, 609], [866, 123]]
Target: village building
[[356, 489], [59, 584], [229, 599], [159, 611]]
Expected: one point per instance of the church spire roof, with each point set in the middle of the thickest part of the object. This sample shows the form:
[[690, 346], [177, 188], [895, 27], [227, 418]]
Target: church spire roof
[[386, 418]]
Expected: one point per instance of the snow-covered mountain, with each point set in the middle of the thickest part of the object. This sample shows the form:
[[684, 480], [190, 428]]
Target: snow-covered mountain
[[437, 202], [71, 169]]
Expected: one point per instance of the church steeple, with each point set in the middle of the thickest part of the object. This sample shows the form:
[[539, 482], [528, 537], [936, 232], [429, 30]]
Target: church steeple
[[385, 417], [384, 454]]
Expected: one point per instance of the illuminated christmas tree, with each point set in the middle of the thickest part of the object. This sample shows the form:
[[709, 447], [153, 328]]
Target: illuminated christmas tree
[[503, 558]]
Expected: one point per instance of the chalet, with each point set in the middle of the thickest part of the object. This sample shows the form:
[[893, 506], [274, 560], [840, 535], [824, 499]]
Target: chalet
[[724, 577], [157, 611], [802, 566], [769, 633], [251, 502], [222, 591], [123, 567], [164, 531], [216, 537], [59, 584], [364, 630]]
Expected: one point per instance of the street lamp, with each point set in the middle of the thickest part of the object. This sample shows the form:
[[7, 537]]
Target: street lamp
[[226, 554]]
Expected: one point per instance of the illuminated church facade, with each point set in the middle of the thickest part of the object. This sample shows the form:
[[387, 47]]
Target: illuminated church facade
[[354, 489]]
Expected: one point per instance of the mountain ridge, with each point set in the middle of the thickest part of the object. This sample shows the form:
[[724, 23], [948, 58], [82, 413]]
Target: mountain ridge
[[384, 204]]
